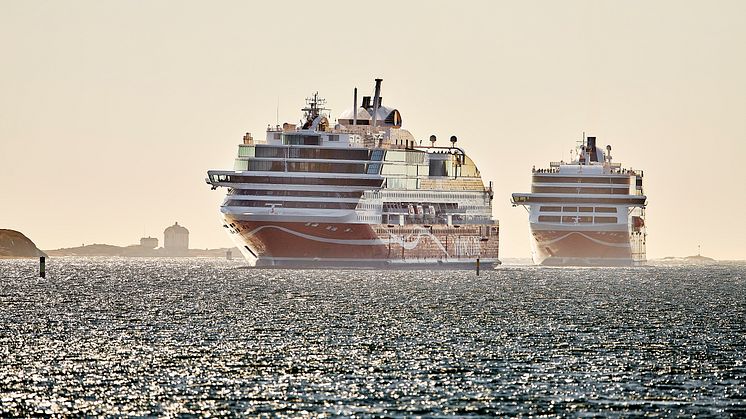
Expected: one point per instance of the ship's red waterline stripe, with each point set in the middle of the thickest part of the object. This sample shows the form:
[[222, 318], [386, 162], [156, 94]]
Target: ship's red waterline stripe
[[364, 241]]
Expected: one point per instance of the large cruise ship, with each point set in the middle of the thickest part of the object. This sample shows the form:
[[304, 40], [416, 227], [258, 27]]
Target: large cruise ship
[[359, 192], [589, 211]]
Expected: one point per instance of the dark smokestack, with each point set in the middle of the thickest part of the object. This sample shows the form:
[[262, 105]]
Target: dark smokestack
[[354, 108], [591, 148], [376, 99]]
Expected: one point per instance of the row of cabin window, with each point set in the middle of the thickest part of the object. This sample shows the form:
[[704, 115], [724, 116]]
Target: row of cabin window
[[578, 190], [292, 204], [300, 139], [297, 180], [317, 153], [545, 208], [393, 206], [581, 179], [439, 207], [292, 166], [444, 195], [577, 219], [283, 192]]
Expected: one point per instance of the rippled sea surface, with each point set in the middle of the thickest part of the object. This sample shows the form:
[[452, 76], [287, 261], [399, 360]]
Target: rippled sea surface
[[198, 336]]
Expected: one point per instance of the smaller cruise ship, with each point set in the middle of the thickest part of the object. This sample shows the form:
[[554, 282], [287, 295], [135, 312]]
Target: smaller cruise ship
[[586, 212]]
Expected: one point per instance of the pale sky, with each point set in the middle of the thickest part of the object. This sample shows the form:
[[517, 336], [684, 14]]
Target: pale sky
[[111, 112]]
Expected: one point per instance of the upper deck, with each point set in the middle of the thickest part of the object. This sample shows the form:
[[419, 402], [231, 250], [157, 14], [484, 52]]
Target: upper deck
[[589, 177], [365, 142]]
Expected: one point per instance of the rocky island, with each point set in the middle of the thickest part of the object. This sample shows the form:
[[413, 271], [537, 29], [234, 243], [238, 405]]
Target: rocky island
[[694, 260], [14, 244]]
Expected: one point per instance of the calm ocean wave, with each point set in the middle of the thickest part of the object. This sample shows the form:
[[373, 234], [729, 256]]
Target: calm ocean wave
[[197, 336]]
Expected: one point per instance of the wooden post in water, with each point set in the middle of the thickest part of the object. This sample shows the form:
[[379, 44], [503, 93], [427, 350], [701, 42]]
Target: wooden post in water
[[477, 266], [42, 267]]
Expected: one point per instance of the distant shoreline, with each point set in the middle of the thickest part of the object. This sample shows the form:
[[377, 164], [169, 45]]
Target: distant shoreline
[[141, 251]]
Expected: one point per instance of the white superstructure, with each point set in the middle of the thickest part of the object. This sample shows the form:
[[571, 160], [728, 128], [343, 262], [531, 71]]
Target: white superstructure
[[589, 211], [362, 191]]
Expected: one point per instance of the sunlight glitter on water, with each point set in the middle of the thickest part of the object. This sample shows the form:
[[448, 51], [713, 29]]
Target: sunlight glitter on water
[[196, 336]]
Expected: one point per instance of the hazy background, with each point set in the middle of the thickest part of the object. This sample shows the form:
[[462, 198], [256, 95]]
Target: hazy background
[[112, 111]]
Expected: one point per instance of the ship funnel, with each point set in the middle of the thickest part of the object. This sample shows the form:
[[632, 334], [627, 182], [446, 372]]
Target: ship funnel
[[591, 148], [376, 101], [354, 107]]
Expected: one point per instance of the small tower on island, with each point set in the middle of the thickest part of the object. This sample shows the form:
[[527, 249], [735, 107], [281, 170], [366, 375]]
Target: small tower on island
[[176, 240]]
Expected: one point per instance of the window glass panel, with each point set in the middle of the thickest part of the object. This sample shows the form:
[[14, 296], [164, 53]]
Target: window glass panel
[[285, 192], [241, 165], [437, 168], [374, 168], [415, 157], [396, 155], [245, 150], [270, 151], [576, 219], [291, 204], [265, 166], [300, 139], [302, 180], [377, 155], [295, 166], [606, 220], [393, 169]]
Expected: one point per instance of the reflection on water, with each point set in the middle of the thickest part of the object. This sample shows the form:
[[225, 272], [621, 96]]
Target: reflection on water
[[154, 336]]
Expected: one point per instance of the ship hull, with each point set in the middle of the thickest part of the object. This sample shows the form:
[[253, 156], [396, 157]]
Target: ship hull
[[576, 246], [339, 244]]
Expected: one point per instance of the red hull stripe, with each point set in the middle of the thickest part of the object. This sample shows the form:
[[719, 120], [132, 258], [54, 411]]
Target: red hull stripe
[[583, 245], [363, 241]]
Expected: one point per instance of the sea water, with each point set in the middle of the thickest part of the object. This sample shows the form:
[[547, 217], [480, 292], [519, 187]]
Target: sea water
[[115, 336]]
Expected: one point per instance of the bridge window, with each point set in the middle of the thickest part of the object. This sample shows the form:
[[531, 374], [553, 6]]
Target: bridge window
[[300, 139]]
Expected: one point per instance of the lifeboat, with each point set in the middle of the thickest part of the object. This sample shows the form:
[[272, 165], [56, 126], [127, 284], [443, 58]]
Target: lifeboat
[[637, 223]]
